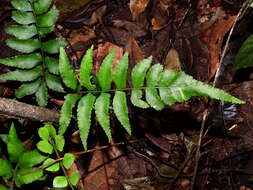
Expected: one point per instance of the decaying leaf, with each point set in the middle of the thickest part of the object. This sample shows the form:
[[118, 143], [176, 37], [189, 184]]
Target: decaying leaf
[[137, 7], [172, 61]]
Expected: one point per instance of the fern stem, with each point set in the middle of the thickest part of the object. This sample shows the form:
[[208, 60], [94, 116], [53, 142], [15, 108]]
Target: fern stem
[[43, 65], [62, 167], [13, 178], [123, 89]]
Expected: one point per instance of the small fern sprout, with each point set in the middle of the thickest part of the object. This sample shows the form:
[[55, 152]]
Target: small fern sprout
[[160, 87]]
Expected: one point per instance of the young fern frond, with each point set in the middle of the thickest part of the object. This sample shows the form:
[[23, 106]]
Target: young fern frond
[[35, 20], [160, 86]]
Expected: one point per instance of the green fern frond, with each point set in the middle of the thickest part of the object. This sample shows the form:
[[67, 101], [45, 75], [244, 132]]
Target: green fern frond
[[22, 32], [42, 94], [84, 111], [153, 78], [23, 61], [21, 5], [52, 46], [34, 20], [66, 70], [102, 112], [22, 75], [52, 65], [138, 75], [181, 87], [160, 86], [120, 109], [14, 146], [105, 71], [40, 7], [23, 17], [24, 46], [53, 83], [66, 112], [120, 72], [27, 89], [86, 68]]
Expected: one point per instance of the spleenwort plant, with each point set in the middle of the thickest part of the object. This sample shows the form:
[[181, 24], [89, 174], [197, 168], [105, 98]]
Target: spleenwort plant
[[90, 92], [36, 66], [25, 167]]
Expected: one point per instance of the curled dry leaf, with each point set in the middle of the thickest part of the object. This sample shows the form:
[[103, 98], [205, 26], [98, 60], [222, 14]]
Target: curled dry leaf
[[137, 7]]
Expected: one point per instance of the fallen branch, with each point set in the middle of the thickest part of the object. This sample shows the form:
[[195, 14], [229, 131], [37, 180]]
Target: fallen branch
[[21, 110]]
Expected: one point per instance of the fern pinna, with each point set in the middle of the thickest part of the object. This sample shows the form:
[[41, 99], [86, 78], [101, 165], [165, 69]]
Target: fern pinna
[[36, 19], [160, 86]]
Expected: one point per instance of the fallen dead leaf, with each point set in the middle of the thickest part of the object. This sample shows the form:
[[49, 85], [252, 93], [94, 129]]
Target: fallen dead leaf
[[137, 7], [135, 52], [108, 170], [96, 16], [98, 172], [158, 23], [136, 29], [172, 61]]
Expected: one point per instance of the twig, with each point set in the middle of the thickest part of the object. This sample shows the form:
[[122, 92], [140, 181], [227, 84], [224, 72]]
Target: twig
[[108, 146], [22, 110], [197, 155]]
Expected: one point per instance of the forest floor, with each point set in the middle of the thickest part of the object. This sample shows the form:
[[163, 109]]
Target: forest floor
[[174, 148]]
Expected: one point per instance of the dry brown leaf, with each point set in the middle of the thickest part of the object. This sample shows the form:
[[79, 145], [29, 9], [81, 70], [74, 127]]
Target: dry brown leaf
[[96, 16], [137, 7], [81, 35], [108, 170], [136, 29], [98, 172], [135, 52], [158, 23], [214, 38], [172, 61]]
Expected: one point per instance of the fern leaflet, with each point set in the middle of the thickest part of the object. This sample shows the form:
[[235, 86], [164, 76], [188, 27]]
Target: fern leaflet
[[84, 110], [102, 112], [66, 112]]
